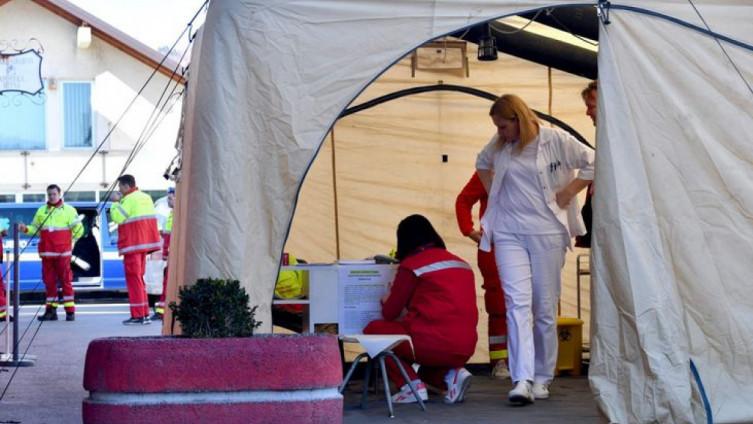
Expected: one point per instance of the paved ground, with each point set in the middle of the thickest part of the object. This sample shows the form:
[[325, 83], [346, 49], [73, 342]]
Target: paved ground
[[52, 391]]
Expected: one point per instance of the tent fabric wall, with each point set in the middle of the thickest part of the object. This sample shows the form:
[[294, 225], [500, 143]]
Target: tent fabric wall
[[673, 226], [673, 231]]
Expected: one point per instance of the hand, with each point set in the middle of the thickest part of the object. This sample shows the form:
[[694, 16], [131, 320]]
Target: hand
[[475, 235], [22, 227], [115, 196], [563, 198]]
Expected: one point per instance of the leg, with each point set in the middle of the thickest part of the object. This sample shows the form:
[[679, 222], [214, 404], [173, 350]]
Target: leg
[[135, 283], [387, 394], [366, 379], [50, 278], [547, 259], [350, 372], [514, 267], [159, 307], [65, 275], [405, 376], [494, 301], [144, 297], [402, 351]]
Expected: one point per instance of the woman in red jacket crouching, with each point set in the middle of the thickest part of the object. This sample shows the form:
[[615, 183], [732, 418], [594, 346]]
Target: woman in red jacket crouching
[[433, 300]]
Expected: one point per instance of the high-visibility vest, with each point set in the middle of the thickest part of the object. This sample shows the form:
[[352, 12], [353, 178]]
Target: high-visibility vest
[[58, 227], [166, 235], [291, 284], [137, 223]]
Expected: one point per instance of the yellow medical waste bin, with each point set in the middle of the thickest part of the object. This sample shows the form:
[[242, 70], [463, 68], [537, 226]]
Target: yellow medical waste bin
[[570, 336]]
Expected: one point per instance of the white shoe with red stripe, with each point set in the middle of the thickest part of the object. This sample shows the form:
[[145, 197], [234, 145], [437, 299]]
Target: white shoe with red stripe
[[458, 381], [405, 395]]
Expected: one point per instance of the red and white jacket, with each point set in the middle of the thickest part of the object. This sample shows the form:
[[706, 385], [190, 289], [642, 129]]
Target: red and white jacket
[[438, 291]]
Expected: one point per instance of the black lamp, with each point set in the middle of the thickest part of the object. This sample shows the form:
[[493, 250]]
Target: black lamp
[[487, 46]]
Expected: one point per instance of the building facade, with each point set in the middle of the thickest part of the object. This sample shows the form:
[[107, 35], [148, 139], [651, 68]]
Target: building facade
[[92, 77]]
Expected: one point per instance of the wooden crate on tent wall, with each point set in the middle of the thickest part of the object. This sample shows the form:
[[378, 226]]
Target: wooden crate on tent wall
[[389, 164]]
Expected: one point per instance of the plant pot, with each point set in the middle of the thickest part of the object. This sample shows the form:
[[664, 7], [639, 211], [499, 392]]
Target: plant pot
[[266, 379]]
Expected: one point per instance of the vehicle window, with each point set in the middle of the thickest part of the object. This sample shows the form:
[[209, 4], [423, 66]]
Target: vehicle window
[[14, 215], [112, 229]]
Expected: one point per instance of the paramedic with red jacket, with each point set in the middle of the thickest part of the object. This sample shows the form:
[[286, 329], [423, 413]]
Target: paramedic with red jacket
[[433, 300], [58, 226], [494, 298], [133, 211]]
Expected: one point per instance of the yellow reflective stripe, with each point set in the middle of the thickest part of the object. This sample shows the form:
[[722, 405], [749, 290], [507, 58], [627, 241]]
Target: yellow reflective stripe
[[159, 310], [69, 304], [498, 354]]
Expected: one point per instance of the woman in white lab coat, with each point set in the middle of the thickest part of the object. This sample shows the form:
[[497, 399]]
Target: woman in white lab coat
[[529, 172]]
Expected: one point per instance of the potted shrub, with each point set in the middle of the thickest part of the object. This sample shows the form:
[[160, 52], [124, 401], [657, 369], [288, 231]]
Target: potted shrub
[[216, 371]]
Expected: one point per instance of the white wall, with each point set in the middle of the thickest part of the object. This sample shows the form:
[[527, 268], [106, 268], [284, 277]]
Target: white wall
[[116, 78]]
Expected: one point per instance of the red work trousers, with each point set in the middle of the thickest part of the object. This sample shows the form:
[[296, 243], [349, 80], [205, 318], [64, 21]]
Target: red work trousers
[[54, 269], [433, 361], [135, 266], [494, 300]]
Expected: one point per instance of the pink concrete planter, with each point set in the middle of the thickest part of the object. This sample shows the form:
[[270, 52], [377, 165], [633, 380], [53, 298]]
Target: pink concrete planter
[[234, 380]]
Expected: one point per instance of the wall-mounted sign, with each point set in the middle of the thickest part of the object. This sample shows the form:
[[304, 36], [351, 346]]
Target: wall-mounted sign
[[21, 72]]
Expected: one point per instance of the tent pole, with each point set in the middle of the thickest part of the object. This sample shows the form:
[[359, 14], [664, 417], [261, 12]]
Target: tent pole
[[334, 190], [549, 78]]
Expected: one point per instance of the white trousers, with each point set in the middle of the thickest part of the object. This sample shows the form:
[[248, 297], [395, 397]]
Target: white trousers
[[530, 269]]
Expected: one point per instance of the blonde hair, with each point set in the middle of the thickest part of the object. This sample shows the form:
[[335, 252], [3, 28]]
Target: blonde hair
[[510, 106]]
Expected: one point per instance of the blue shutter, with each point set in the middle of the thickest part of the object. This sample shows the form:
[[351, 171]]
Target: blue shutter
[[77, 114], [22, 122]]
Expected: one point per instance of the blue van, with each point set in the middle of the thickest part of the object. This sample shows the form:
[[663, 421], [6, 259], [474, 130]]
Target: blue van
[[96, 264]]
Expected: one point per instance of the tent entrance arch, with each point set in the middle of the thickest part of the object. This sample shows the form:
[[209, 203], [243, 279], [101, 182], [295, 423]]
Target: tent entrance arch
[[677, 236]]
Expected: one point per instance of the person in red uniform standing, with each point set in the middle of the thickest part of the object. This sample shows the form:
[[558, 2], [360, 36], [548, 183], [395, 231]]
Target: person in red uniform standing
[[133, 211], [433, 300], [159, 307], [58, 226], [494, 298], [3, 297]]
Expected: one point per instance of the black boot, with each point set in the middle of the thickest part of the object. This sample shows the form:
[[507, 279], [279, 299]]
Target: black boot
[[50, 314], [70, 316]]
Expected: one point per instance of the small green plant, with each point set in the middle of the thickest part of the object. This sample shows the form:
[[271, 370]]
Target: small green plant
[[215, 308]]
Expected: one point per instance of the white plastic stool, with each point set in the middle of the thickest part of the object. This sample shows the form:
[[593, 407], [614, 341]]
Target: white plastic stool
[[378, 346]]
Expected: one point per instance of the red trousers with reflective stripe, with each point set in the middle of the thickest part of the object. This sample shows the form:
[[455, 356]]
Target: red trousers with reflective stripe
[[494, 300], [135, 266], [54, 269], [434, 362]]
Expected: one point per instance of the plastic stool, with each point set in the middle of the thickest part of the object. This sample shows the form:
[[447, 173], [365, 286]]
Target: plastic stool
[[377, 348]]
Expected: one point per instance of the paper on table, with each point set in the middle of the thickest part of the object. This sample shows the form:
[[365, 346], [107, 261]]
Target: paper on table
[[360, 289]]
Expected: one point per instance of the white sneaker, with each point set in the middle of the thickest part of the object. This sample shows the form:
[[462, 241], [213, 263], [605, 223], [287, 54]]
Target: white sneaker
[[521, 394], [405, 395], [458, 381], [540, 390], [501, 371]]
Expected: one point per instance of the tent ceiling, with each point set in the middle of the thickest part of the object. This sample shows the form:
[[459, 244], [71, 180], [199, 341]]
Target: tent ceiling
[[545, 50]]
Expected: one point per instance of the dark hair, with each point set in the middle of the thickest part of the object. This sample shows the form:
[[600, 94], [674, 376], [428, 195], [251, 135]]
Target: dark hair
[[414, 232], [54, 187], [592, 86], [127, 179]]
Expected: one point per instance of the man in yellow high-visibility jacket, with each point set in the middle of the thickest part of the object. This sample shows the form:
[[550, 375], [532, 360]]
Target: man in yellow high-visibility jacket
[[58, 226], [133, 211]]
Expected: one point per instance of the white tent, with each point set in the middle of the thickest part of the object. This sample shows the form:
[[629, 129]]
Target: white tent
[[674, 211]]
